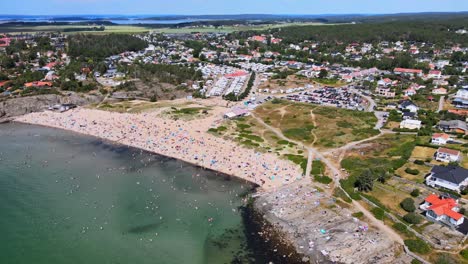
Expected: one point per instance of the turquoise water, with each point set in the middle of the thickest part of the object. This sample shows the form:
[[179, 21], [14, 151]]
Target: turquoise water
[[68, 198]]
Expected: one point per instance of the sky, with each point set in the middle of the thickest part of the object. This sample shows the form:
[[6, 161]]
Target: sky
[[203, 7]]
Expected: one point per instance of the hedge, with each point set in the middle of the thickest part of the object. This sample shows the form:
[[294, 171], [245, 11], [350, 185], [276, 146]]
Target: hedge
[[418, 246]]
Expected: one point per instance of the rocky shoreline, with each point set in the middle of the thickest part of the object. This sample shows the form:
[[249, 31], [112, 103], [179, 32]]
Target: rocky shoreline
[[308, 226], [24, 105]]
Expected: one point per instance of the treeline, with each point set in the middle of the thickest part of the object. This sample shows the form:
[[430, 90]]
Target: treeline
[[437, 32], [94, 46], [101, 28], [172, 74]]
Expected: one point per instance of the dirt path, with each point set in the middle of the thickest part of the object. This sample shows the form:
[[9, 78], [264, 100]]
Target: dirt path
[[312, 152], [312, 115]]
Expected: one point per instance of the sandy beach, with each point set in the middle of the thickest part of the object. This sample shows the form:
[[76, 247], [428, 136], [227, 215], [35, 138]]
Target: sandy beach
[[186, 140]]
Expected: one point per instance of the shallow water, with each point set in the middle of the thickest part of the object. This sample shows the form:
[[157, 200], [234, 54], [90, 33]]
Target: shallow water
[[68, 198]]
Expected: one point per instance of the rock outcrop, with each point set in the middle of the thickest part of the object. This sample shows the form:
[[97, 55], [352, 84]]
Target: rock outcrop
[[24, 105], [323, 231]]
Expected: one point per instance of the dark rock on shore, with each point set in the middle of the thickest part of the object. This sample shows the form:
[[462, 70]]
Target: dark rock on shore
[[24, 105]]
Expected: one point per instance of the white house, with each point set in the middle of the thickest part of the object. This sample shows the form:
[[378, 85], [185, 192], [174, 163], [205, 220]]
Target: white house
[[447, 155], [409, 106], [440, 139], [451, 177], [442, 209], [439, 91], [410, 124]]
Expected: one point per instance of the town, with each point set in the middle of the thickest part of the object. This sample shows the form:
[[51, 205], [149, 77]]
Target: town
[[379, 124]]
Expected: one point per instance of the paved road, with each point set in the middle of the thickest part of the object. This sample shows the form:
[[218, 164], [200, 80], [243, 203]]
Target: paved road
[[441, 104]]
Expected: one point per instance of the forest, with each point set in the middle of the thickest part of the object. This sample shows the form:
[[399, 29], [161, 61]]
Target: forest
[[102, 46], [172, 74], [438, 32]]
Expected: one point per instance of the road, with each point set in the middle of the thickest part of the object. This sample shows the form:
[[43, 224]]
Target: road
[[441, 104]]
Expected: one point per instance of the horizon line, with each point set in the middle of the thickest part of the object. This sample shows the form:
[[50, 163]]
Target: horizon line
[[234, 14]]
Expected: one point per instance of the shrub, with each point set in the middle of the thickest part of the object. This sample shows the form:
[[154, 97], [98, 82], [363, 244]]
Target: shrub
[[323, 179], [464, 253], [400, 227], [415, 193], [412, 218], [415, 261], [417, 246], [408, 205], [419, 162], [412, 171], [379, 213], [358, 214]]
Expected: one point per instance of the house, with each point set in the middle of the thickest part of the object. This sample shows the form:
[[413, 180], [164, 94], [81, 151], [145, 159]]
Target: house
[[385, 92], [435, 74], [409, 115], [439, 91], [442, 209], [403, 71], [451, 177], [409, 106], [447, 155], [461, 98], [38, 84], [453, 126], [236, 113], [410, 91], [410, 124], [440, 139]]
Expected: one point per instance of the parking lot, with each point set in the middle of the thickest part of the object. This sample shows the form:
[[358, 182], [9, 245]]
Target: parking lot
[[336, 97]]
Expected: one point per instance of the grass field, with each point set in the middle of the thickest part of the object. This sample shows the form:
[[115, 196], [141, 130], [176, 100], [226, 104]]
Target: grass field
[[323, 127], [122, 29], [388, 152], [130, 29]]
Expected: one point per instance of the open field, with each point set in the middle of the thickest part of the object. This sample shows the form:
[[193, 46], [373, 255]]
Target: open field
[[230, 29], [423, 170], [322, 127], [122, 29], [389, 151], [129, 29], [292, 81]]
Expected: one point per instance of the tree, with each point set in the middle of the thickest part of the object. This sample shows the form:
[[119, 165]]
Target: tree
[[323, 74], [408, 205], [412, 218], [365, 181], [415, 193]]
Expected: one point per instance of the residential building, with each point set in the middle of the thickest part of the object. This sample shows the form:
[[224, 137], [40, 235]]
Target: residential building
[[439, 91], [451, 177], [403, 71], [442, 209], [410, 124], [440, 139], [453, 126], [447, 155], [408, 106]]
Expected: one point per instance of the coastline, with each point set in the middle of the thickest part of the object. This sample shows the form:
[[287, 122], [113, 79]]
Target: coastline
[[182, 140]]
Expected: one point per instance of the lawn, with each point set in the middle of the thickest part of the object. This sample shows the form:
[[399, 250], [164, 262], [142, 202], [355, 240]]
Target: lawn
[[322, 127], [423, 171], [390, 197], [423, 153], [388, 152]]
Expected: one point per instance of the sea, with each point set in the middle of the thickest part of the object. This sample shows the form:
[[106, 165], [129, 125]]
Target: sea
[[70, 198]]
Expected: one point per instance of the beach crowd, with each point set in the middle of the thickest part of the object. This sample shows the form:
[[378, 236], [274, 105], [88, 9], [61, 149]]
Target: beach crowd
[[180, 139]]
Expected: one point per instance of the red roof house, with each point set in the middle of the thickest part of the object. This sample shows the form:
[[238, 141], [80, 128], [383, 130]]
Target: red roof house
[[442, 209]]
